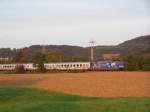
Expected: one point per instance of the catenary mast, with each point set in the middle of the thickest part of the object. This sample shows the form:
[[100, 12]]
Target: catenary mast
[[92, 50]]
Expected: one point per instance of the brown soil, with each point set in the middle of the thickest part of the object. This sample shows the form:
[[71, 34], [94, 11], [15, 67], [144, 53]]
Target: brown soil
[[101, 84]]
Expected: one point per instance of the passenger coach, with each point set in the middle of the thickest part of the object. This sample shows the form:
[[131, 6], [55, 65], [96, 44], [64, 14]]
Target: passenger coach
[[68, 66]]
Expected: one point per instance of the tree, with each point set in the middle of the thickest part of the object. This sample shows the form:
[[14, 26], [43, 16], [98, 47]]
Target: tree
[[146, 66], [55, 56], [38, 59], [20, 57], [128, 61], [134, 62], [20, 69], [81, 58]]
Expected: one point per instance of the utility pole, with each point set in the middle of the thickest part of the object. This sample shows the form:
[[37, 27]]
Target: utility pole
[[92, 50], [92, 42]]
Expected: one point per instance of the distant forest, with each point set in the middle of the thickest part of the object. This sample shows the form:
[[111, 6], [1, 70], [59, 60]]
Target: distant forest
[[130, 51], [137, 45]]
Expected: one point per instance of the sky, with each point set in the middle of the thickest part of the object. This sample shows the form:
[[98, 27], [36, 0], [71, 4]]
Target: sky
[[72, 22]]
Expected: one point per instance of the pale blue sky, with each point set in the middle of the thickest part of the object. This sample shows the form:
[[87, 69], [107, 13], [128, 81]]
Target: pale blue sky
[[72, 22]]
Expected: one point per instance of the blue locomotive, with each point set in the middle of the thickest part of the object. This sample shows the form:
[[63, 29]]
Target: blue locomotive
[[108, 65]]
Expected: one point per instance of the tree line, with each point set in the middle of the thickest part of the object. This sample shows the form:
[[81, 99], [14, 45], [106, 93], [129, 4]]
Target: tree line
[[132, 62], [39, 58], [137, 62]]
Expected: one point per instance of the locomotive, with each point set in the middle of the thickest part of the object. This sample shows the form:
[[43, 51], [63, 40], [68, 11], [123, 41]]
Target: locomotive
[[108, 65]]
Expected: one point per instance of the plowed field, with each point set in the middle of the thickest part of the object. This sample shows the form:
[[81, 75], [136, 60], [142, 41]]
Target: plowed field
[[100, 84]]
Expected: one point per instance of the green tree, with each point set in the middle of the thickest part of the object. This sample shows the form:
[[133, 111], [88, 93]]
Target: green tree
[[38, 59], [146, 66], [128, 61], [135, 62]]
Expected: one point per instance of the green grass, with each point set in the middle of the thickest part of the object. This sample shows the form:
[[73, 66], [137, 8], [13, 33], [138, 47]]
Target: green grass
[[31, 100]]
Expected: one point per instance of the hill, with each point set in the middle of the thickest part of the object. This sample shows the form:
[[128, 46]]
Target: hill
[[136, 45], [139, 41]]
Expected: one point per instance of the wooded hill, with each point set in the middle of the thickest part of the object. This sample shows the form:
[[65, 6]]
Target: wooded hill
[[71, 53]]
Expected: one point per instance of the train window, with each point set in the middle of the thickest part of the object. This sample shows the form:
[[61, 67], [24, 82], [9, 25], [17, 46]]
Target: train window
[[77, 65], [80, 65]]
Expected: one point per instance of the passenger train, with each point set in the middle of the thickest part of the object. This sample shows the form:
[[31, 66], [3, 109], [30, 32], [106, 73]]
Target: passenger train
[[99, 65]]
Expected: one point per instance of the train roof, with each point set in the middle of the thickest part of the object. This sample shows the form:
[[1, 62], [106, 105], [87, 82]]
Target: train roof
[[65, 62]]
